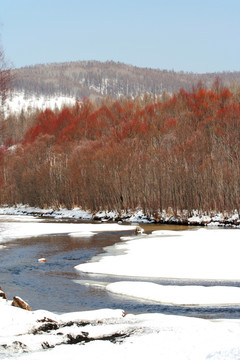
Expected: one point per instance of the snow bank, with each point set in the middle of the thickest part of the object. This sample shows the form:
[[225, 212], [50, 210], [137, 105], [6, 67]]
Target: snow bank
[[177, 295], [109, 334], [137, 216], [215, 219], [211, 254], [76, 213], [16, 230]]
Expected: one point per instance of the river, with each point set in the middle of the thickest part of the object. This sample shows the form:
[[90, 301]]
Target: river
[[56, 286]]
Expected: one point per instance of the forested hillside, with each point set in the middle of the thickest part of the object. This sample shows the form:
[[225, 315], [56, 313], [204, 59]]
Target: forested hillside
[[96, 79], [182, 153]]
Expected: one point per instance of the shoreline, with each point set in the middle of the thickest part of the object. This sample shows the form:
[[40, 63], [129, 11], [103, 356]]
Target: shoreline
[[27, 334], [198, 218]]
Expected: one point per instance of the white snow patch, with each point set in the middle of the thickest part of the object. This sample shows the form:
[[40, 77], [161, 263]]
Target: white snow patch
[[24, 210], [19, 218], [19, 101], [16, 230], [205, 219], [177, 295], [211, 254]]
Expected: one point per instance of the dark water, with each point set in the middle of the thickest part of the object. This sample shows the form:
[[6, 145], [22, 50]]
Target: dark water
[[55, 286]]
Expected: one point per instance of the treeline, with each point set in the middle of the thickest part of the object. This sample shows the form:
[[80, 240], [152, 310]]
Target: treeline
[[96, 79], [182, 153]]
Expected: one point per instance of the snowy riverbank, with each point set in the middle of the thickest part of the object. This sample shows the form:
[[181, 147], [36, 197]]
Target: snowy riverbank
[[164, 217], [114, 334], [193, 254]]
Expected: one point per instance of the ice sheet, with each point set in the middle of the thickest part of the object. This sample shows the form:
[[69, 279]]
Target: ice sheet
[[177, 295], [211, 254], [15, 230]]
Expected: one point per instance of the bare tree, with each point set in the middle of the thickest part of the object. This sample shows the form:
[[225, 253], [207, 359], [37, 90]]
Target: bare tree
[[5, 80]]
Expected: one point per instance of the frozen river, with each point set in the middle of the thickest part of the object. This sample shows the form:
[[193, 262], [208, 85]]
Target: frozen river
[[57, 286]]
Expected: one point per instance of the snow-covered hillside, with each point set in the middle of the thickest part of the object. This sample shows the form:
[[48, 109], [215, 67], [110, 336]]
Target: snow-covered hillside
[[18, 101]]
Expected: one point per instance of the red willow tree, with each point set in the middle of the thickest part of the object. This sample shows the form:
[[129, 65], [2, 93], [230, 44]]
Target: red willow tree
[[182, 153]]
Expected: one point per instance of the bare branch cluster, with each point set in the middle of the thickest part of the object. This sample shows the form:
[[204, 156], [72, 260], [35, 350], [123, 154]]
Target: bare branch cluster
[[5, 79]]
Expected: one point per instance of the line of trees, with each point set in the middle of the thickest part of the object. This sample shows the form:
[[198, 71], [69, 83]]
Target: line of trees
[[96, 79], [182, 153]]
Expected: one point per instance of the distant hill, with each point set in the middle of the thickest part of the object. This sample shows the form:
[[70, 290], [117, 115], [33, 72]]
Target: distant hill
[[97, 79]]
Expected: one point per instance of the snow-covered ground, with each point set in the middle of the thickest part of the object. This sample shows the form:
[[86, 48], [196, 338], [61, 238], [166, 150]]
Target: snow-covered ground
[[19, 101], [198, 218], [194, 254], [110, 334]]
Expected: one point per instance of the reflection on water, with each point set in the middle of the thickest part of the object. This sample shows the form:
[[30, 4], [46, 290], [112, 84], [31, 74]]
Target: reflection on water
[[148, 228], [58, 287], [48, 285]]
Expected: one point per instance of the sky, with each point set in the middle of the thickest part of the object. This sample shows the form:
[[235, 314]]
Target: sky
[[182, 35]]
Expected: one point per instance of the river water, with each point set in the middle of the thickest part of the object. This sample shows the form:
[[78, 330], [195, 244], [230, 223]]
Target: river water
[[56, 286]]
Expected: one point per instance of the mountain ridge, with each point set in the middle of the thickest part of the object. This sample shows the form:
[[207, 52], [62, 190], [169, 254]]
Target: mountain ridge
[[95, 79]]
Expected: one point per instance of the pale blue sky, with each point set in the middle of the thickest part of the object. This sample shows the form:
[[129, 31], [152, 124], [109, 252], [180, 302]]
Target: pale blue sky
[[181, 35]]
